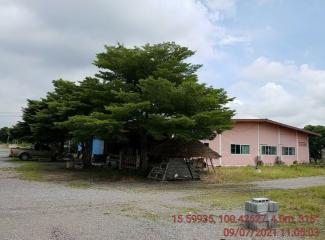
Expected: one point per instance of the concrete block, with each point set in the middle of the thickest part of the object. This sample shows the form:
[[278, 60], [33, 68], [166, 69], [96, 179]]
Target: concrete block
[[273, 206]]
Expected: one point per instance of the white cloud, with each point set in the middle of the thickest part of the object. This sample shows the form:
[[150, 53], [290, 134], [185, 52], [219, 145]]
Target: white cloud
[[229, 40], [264, 69], [284, 92], [220, 9], [45, 40], [313, 81]]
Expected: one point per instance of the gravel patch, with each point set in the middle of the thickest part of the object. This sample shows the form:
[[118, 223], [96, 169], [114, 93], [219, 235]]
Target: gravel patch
[[40, 210], [33, 210]]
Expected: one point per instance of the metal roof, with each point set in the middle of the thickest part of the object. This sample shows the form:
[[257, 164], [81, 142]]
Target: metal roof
[[265, 120]]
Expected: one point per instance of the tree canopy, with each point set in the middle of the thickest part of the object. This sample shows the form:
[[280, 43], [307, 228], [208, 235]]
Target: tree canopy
[[154, 91], [150, 93]]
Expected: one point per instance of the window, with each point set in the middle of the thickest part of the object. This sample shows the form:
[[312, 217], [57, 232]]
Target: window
[[288, 151], [239, 149], [268, 150]]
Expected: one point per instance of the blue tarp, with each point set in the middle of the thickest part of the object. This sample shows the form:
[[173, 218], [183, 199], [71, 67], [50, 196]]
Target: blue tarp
[[79, 147], [98, 146]]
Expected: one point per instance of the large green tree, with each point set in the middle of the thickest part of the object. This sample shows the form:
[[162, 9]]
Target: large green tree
[[316, 144], [139, 95], [154, 94]]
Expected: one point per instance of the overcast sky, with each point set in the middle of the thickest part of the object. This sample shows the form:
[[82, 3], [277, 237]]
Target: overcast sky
[[269, 54]]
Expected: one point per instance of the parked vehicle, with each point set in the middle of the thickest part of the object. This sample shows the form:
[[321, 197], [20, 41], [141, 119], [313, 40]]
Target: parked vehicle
[[36, 152]]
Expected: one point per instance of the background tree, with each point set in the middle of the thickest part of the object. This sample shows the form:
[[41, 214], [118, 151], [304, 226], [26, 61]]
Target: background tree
[[20, 132], [316, 144], [40, 116], [4, 134]]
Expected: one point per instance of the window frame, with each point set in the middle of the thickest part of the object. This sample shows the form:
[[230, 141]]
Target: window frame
[[268, 150], [240, 149], [287, 151]]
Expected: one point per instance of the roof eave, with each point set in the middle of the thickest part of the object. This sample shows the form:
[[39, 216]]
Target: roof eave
[[265, 120]]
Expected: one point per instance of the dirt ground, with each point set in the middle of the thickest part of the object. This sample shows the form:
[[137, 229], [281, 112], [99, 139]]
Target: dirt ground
[[41, 210]]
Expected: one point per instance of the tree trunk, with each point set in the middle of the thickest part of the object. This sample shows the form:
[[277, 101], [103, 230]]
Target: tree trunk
[[86, 154], [61, 148], [144, 147], [144, 152]]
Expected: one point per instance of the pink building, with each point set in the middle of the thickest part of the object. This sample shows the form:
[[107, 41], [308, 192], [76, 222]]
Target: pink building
[[264, 139]]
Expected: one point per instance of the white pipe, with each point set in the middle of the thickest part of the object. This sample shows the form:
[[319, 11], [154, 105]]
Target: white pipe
[[279, 142], [258, 139], [297, 143], [220, 150]]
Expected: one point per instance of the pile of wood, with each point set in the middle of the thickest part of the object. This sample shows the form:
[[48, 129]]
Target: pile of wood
[[174, 169], [181, 160]]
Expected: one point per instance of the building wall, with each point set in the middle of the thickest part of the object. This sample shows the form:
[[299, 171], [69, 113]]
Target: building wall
[[255, 135], [303, 148]]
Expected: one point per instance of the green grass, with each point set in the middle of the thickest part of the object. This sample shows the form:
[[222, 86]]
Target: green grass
[[130, 209], [187, 210], [311, 199], [127, 207], [57, 172], [223, 198], [151, 216], [293, 202], [245, 174], [76, 178], [30, 171]]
